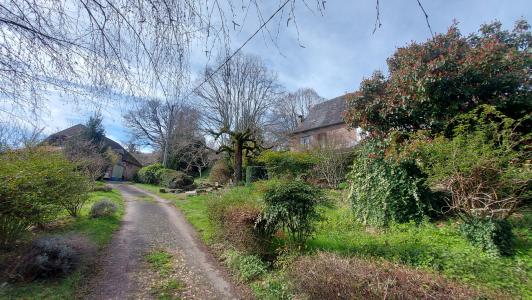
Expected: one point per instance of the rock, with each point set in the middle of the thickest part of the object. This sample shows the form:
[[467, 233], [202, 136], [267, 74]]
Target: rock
[[178, 191], [162, 190], [191, 193], [190, 187]]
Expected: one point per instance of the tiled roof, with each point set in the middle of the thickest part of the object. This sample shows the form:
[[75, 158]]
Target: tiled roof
[[324, 114]]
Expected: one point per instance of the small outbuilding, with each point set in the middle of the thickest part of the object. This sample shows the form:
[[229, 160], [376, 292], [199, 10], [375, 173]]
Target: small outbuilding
[[125, 168]]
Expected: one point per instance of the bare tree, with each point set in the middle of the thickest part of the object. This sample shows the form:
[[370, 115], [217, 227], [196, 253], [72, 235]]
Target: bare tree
[[236, 102], [162, 124], [137, 47], [14, 135], [290, 110]]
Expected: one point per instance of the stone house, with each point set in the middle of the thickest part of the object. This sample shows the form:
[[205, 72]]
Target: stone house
[[127, 165], [323, 126]]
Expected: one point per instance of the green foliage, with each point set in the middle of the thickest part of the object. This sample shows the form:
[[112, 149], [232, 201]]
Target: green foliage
[[247, 267], [95, 132], [173, 179], [272, 287], [36, 186], [493, 236], [292, 164], [385, 191], [291, 206], [485, 170], [437, 247], [149, 173], [430, 83]]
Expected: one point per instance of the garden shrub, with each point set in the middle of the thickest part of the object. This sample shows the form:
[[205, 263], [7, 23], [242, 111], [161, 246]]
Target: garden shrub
[[484, 171], [331, 165], [103, 208], [149, 174], [329, 276], [37, 185], [235, 215], [53, 256], [173, 179], [220, 172], [247, 267], [493, 236], [292, 164], [385, 191], [291, 206]]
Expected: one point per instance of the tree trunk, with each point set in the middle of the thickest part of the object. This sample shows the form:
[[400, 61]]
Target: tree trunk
[[238, 162]]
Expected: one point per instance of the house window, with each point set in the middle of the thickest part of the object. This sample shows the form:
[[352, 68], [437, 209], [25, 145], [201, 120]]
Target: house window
[[305, 141]]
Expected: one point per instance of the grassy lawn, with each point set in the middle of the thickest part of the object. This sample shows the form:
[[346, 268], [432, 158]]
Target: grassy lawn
[[431, 246], [98, 230]]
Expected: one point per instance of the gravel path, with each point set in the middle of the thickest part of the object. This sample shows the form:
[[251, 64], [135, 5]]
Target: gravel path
[[153, 223]]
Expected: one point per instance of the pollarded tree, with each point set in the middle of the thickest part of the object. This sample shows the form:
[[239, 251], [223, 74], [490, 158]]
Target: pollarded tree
[[429, 83], [236, 101]]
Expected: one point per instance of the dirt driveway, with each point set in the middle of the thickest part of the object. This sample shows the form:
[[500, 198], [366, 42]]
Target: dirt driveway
[[152, 223]]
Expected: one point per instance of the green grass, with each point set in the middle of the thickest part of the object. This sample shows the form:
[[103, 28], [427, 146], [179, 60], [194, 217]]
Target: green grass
[[98, 230], [430, 246]]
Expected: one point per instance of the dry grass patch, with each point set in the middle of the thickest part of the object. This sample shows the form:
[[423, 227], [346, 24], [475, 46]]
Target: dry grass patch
[[329, 276]]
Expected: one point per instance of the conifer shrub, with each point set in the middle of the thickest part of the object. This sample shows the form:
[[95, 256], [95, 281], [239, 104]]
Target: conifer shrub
[[291, 207]]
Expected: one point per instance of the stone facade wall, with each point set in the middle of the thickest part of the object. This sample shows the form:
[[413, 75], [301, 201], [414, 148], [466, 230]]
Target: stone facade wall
[[338, 136]]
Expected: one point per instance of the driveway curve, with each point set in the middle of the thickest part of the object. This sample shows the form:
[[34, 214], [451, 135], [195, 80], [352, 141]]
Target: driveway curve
[[151, 223]]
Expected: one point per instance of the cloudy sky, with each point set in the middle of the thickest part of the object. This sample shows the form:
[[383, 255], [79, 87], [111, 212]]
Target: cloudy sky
[[332, 52]]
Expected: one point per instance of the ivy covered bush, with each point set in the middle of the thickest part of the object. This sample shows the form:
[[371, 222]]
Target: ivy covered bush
[[385, 190], [291, 164], [149, 173]]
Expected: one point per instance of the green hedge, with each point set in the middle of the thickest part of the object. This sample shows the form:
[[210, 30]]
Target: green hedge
[[149, 174], [293, 164]]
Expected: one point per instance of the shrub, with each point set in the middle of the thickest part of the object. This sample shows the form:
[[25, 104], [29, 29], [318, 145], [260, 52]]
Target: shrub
[[291, 206], [292, 164], [53, 256], [485, 171], [103, 208], [493, 236], [148, 174], [384, 190], [235, 215], [173, 179], [247, 267], [331, 164], [36, 185], [328, 276], [220, 172]]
